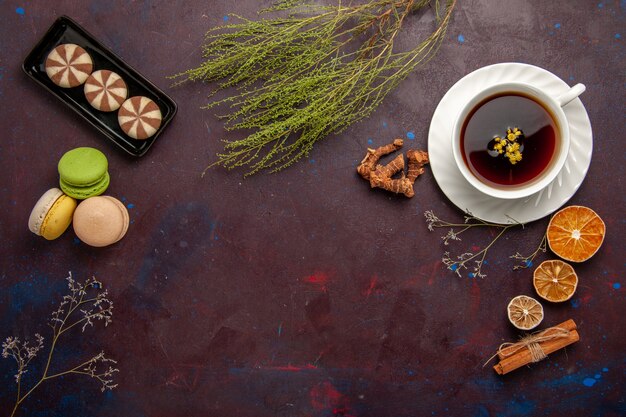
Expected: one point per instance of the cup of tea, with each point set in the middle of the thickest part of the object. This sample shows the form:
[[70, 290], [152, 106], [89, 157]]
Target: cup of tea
[[512, 139]]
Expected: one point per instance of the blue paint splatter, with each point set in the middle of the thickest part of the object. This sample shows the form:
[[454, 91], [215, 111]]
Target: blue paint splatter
[[410, 135], [571, 78], [460, 38], [528, 263], [69, 401], [454, 267], [481, 412], [521, 407], [20, 11], [370, 141], [459, 342], [109, 394], [575, 303], [597, 376], [561, 382], [130, 206], [280, 329], [600, 5], [557, 26], [384, 124], [311, 161], [605, 369], [618, 36], [617, 285], [225, 18], [471, 275], [589, 382], [31, 292]]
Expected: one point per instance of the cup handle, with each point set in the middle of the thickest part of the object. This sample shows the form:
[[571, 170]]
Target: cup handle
[[570, 94]]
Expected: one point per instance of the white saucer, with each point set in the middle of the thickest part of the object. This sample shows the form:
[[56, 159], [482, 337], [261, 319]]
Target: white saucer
[[491, 209]]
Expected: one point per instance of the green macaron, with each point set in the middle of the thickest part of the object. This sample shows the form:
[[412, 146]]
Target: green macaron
[[83, 173], [87, 191]]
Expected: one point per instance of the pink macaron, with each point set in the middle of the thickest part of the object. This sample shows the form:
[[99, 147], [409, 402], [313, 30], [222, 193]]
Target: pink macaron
[[101, 221]]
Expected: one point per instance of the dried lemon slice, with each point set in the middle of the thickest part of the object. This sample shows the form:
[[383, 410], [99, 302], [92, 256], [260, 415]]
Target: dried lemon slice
[[555, 281], [575, 233], [525, 312]]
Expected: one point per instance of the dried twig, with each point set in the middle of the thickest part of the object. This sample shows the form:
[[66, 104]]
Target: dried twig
[[85, 303], [461, 261]]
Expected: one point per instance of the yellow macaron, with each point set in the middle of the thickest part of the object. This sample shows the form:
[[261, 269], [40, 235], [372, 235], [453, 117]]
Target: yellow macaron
[[52, 214]]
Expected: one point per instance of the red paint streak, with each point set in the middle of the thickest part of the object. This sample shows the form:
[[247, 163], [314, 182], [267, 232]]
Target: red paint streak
[[474, 298], [291, 368], [342, 411], [325, 396], [184, 376], [427, 270], [373, 288], [320, 279], [584, 300], [433, 273]]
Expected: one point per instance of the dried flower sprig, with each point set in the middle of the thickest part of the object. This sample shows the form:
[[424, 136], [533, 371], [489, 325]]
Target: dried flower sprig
[[314, 72], [21, 352], [527, 261], [86, 303], [462, 261]]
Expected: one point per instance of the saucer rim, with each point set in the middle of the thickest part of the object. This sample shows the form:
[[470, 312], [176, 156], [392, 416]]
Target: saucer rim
[[563, 185]]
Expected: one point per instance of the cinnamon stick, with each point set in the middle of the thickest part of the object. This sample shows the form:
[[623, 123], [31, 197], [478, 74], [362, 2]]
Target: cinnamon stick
[[567, 325], [515, 356]]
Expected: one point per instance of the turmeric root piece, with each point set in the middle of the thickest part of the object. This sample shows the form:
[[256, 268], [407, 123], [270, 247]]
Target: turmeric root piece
[[400, 186], [368, 164], [383, 173], [380, 176], [417, 160]]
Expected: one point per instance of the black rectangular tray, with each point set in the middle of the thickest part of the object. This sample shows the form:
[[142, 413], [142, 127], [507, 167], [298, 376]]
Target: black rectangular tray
[[65, 30]]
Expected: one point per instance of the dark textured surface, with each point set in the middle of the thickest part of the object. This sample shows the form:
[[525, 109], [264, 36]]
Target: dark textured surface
[[303, 293]]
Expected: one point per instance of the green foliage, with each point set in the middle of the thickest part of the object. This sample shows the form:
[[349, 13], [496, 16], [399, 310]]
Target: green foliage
[[311, 73]]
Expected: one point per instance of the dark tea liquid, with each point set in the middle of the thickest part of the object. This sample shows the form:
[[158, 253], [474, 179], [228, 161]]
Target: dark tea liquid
[[492, 117]]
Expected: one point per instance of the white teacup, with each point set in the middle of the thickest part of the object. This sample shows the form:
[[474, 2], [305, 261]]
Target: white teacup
[[554, 107]]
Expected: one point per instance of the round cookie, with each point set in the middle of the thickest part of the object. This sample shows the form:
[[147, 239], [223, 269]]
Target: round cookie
[[139, 117], [68, 65], [105, 90], [52, 214], [101, 221]]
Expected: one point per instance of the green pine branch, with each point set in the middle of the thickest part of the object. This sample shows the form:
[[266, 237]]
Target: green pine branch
[[314, 72]]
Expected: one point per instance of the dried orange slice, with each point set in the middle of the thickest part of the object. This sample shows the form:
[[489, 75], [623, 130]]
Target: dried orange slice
[[575, 233], [525, 312], [555, 280]]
